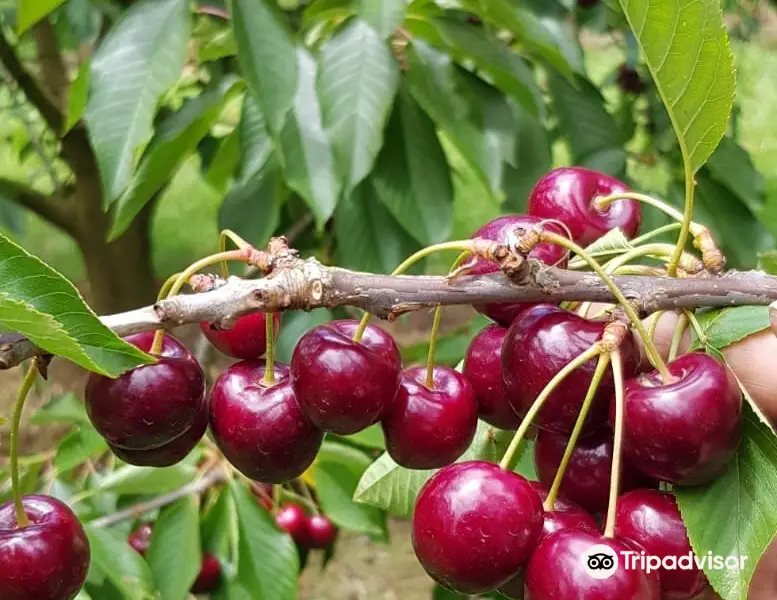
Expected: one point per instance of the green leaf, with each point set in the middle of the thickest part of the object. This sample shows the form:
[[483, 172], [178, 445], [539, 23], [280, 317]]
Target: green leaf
[[231, 590], [320, 12], [255, 141], [531, 159], [42, 305], [220, 45], [767, 261], [176, 138], [368, 237], [295, 325], [268, 563], [217, 523], [142, 56], [77, 96], [412, 177], [688, 53], [390, 487], [122, 566], [372, 437], [67, 409], [77, 446], [308, 161], [727, 326], [30, 12], [384, 16], [745, 494], [267, 56], [336, 472], [731, 166], [131, 479], [174, 554], [357, 82]]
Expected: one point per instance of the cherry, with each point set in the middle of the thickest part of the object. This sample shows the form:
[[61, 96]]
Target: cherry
[[292, 519], [140, 539], [427, 428], [474, 526], [483, 369], [629, 80], [587, 3], [170, 453], [503, 230], [343, 386], [321, 532], [652, 519], [587, 478], [209, 576], [246, 339], [538, 345], [46, 560], [151, 405], [261, 428], [558, 571], [567, 194], [263, 493], [565, 514], [685, 431]]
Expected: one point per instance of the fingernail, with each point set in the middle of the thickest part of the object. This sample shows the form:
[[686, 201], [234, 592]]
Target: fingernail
[[773, 316]]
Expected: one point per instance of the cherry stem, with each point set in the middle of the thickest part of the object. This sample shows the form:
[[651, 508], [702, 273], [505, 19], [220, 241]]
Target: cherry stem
[[16, 419], [622, 300], [601, 367], [300, 499], [615, 475], [697, 328], [679, 331], [682, 238], [602, 201], [649, 235], [436, 327], [308, 496], [228, 234], [269, 357], [184, 276], [512, 450], [635, 243], [463, 245], [277, 490], [164, 291]]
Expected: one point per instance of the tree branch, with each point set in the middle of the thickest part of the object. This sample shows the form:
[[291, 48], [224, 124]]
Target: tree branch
[[51, 208], [51, 63], [35, 93], [306, 284]]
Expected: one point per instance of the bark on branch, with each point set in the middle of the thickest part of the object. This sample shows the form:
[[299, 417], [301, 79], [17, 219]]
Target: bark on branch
[[52, 208], [306, 284]]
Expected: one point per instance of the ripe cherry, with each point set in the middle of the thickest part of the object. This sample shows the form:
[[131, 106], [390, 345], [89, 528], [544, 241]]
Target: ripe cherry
[[292, 519], [503, 230], [685, 431], [565, 514], [246, 339], [209, 576], [567, 194], [45, 560], [151, 405], [140, 539], [474, 526], [587, 478], [483, 369], [558, 571], [321, 532], [652, 519], [261, 428], [427, 428], [343, 386], [538, 345], [629, 80]]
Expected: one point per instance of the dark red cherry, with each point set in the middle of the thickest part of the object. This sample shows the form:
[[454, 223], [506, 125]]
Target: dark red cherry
[[686, 431], [321, 531], [483, 369], [261, 428], [46, 560], [170, 453], [343, 386], [263, 493], [292, 519], [565, 514], [140, 539], [246, 339], [587, 3], [629, 80], [209, 576], [567, 194], [150, 405], [427, 428], [652, 519], [502, 229], [587, 478], [474, 526], [559, 570], [538, 345]]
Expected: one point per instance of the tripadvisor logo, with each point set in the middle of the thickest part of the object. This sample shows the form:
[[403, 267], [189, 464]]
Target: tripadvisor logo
[[601, 561]]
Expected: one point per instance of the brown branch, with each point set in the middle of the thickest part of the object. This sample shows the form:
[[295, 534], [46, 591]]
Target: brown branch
[[52, 66], [306, 284], [52, 208]]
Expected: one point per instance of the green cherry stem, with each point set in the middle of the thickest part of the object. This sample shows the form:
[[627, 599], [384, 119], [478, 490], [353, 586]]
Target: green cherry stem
[[512, 450], [463, 245], [269, 356], [697, 328], [578, 263], [682, 238], [622, 300], [602, 201], [228, 234], [615, 476], [677, 336], [601, 367], [306, 493], [649, 235], [16, 420]]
